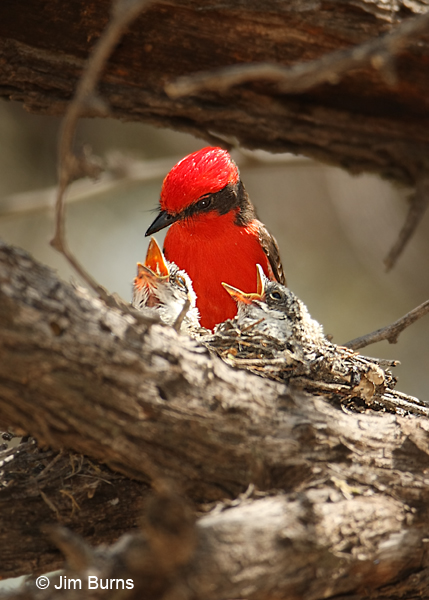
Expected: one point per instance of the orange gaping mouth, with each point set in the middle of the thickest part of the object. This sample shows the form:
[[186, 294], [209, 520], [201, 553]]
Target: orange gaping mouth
[[240, 296], [155, 260]]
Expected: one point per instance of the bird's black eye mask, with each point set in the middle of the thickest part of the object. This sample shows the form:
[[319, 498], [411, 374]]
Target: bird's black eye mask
[[222, 202], [229, 198]]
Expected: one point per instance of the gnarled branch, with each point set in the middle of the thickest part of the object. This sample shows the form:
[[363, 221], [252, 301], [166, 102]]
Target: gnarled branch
[[154, 405]]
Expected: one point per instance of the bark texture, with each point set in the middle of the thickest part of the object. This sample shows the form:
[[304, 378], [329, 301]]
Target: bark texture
[[349, 514], [39, 487], [374, 118]]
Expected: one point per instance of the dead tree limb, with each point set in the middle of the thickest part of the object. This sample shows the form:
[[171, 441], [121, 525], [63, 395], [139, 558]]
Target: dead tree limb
[[293, 546], [378, 53], [352, 495], [390, 332], [361, 123]]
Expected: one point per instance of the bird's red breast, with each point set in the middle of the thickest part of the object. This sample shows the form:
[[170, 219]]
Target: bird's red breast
[[214, 250]]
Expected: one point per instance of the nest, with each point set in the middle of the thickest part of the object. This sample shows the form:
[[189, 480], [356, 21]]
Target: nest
[[318, 366]]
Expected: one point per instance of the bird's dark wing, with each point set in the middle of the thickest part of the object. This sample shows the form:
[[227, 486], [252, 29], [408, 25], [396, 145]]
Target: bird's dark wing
[[271, 249]]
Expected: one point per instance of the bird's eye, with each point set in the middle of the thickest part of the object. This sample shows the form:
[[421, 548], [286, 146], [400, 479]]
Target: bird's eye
[[204, 202], [276, 295], [182, 282]]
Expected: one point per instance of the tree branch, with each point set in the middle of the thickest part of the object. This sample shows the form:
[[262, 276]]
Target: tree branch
[[390, 332], [418, 205], [70, 167], [297, 543], [145, 400], [304, 76], [39, 487], [386, 123]]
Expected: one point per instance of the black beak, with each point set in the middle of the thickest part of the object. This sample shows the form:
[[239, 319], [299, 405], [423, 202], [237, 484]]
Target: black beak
[[164, 219]]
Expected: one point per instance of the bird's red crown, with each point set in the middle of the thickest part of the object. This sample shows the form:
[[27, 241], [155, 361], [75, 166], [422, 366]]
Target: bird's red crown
[[205, 171]]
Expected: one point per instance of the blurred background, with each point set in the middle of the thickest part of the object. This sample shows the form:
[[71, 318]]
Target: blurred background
[[333, 229]]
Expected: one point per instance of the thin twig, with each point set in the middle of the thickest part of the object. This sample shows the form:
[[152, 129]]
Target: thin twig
[[50, 504], [259, 362], [302, 77], [395, 400], [390, 332], [50, 465], [69, 165], [179, 320], [418, 206], [319, 386], [408, 398]]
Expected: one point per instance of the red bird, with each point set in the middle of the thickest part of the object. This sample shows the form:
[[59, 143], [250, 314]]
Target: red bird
[[214, 234]]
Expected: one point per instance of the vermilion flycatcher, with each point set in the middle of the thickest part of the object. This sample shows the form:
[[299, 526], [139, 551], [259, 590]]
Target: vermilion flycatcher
[[214, 234], [160, 286]]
